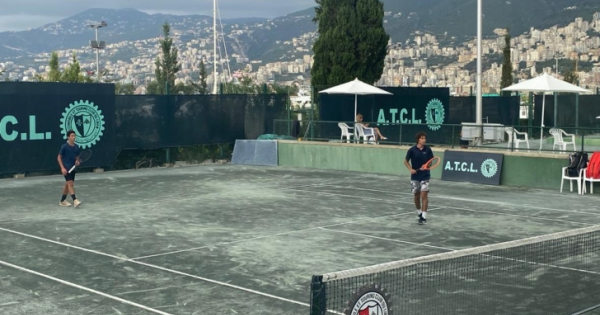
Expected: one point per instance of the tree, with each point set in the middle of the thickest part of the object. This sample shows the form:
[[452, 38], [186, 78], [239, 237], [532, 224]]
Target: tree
[[352, 42], [245, 86], [73, 74], [202, 86], [124, 88], [571, 76], [167, 67], [54, 73], [507, 71]]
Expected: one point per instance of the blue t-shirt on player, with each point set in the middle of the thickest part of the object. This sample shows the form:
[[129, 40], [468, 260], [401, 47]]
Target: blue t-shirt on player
[[417, 157], [68, 154]]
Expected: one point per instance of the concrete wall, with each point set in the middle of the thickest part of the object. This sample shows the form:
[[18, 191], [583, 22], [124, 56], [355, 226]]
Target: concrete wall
[[519, 169]]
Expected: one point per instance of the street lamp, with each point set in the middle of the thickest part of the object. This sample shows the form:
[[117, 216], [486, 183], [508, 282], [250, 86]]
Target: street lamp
[[97, 45]]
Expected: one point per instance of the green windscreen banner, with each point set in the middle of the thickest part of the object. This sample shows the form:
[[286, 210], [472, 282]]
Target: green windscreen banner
[[416, 109]]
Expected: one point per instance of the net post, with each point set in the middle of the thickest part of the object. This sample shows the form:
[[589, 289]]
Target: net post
[[318, 298]]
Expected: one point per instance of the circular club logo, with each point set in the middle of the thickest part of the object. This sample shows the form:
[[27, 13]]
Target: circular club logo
[[489, 168], [369, 300], [86, 120], [434, 114]]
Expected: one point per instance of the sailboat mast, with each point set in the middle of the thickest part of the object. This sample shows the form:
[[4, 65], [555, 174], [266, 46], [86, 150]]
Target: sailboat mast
[[215, 46]]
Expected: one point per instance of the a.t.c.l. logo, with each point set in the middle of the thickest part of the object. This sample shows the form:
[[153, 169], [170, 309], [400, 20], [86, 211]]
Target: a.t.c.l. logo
[[10, 127], [86, 120], [489, 168], [434, 115], [458, 166]]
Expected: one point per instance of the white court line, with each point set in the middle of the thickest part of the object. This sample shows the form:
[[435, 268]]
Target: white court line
[[499, 203], [587, 310], [268, 236], [83, 288], [445, 207], [157, 267], [389, 239], [520, 216]]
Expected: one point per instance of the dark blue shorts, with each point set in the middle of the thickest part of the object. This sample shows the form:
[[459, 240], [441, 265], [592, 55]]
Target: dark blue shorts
[[70, 176]]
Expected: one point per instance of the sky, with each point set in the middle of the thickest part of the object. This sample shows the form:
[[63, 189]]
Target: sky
[[18, 15]]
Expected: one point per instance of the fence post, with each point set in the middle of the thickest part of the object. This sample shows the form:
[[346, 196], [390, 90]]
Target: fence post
[[453, 135], [168, 152], [530, 115], [289, 114], [512, 138], [555, 109], [577, 113], [400, 133], [582, 142], [312, 112]]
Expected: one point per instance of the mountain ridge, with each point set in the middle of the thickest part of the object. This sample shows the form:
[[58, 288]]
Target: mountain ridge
[[450, 20]]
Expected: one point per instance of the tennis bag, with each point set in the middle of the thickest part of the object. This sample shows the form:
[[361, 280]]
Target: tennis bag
[[577, 161], [593, 168]]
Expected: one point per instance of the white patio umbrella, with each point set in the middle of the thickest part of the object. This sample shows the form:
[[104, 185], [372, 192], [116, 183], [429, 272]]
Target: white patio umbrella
[[355, 87], [545, 83]]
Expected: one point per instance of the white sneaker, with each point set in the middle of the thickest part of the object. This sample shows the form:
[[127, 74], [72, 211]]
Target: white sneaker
[[76, 203], [64, 203]]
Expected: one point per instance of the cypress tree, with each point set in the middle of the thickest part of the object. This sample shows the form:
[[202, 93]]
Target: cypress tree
[[352, 42], [507, 77]]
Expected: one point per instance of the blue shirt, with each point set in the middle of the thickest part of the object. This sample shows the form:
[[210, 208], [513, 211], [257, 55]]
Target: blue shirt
[[417, 157], [68, 154]]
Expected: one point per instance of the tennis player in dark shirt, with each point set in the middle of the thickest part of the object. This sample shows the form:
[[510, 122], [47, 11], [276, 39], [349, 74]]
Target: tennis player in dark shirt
[[418, 155], [68, 156]]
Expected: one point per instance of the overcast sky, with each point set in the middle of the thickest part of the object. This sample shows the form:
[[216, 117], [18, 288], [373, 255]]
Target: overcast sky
[[17, 15]]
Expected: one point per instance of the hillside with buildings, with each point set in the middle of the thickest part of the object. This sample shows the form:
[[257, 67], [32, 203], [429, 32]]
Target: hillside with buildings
[[280, 50]]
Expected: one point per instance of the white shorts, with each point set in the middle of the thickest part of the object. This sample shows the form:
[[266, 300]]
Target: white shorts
[[419, 186]]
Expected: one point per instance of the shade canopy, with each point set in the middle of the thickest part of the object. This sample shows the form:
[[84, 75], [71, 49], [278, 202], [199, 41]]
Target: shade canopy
[[545, 83], [356, 87]]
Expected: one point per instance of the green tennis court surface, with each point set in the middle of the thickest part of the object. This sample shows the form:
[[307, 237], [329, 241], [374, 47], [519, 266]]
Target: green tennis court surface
[[243, 240]]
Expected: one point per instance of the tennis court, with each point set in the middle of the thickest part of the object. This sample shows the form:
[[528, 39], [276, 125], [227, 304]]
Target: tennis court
[[227, 239]]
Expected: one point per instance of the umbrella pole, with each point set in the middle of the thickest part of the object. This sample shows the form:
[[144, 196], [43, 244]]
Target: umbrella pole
[[355, 113], [355, 105], [542, 126]]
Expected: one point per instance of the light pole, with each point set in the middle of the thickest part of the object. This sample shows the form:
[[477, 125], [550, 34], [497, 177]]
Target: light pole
[[95, 44]]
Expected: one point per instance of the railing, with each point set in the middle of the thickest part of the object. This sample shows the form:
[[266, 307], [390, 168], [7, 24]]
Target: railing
[[467, 135]]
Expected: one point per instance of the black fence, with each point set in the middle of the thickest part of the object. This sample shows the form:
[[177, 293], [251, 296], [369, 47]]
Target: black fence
[[34, 119], [573, 111], [499, 110], [426, 109], [149, 122]]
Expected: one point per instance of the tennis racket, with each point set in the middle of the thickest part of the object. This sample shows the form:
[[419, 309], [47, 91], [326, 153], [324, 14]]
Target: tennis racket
[[431, 164], [83, 156]]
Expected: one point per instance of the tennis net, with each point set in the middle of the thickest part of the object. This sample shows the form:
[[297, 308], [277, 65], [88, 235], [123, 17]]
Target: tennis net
[[550, 274]]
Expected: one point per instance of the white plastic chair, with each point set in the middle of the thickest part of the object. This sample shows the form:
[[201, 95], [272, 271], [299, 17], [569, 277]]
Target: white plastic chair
[[365, 133], [579, 179], [559, 141], [346, 131], [513, 136]]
